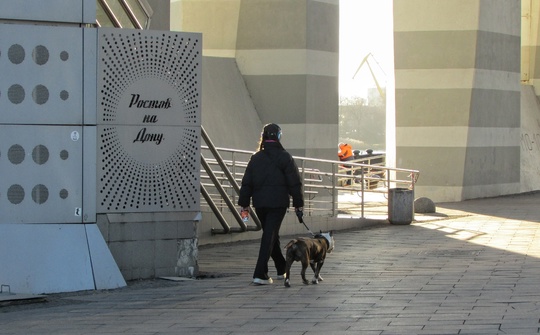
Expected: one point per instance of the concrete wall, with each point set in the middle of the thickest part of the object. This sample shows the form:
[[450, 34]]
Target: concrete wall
[[530, 57], [228, 113], [530, 140], [530, 106], [287, 54], [458, 96], [216, 19], [161, 17], [153, 244]]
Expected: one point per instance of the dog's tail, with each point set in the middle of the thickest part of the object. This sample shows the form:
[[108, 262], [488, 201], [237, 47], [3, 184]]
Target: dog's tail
[[293, 252], [290, 244]]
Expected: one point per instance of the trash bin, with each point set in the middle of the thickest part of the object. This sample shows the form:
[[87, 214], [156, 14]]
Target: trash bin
[[400, 206]]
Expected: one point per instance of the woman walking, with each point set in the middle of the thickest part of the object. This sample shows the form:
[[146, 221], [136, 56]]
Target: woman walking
[[271, 177]]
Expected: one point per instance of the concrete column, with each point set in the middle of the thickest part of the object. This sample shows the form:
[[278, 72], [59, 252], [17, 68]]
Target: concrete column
[[530, 57], [288, 53], [457, 70], [217, 20], [530, 109]]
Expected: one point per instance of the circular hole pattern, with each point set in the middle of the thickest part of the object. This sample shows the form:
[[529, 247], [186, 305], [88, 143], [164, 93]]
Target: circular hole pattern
[[130, 57], [16, 54], [64, 55], [40, 154], [64, 154], [64, 95], [15, 194], [126, 184], [40, 94], [16, 154], [63, 193], [16, 94], [40, 194], [40, 55]]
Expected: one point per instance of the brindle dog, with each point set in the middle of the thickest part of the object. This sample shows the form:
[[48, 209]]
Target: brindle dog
[[310, 251]]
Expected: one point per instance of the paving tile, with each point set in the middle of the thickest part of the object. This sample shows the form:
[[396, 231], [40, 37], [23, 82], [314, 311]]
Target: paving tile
[[472, 273]]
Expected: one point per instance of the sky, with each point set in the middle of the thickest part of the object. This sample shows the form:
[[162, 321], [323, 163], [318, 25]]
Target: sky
[[365, 27]]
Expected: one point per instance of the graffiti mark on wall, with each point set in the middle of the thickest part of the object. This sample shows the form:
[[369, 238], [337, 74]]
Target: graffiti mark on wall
[[530, 142]]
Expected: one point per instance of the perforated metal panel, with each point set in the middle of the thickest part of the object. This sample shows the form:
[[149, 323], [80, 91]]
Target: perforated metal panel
[[41, 71], [148, 121], [41, 174], [148, 72], [143, 177]]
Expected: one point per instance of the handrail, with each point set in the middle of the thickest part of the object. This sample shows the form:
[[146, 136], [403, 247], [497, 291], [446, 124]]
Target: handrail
[[224, 196], [323, 180]]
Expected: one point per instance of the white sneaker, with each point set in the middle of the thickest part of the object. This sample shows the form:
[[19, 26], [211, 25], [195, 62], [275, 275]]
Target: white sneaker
[[259, 281], [281, 277]]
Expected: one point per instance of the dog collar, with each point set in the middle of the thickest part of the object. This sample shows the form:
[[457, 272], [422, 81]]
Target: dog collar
[[329, 239]]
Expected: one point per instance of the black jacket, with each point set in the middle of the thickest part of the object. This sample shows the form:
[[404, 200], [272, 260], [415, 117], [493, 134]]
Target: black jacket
[[270, 177]]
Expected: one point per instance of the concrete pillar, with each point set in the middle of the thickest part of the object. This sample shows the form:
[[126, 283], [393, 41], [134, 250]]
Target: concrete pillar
[[457, 71], [288, 53], [217, 20], [530, 57]]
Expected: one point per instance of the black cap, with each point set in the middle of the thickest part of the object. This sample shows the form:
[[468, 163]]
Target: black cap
[[271, 131]]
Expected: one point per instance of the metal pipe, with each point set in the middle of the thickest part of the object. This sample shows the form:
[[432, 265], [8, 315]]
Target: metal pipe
[[215, 210], [231, 180], [223, 194]]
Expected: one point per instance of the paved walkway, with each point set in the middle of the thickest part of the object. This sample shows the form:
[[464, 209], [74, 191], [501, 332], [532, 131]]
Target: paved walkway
[[472, 269]]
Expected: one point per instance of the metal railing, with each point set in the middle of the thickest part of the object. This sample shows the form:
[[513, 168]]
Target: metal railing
[[323, 180]]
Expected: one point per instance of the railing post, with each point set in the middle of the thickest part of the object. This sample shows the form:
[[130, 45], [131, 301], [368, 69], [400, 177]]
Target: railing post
[[334, 189], [303, 178], [362, 190]]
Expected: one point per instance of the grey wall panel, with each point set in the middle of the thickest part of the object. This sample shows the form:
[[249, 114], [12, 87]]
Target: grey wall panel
[[44, 168], [89, 11], [72, 11], [89, 173], [40, 74], [89, 76]]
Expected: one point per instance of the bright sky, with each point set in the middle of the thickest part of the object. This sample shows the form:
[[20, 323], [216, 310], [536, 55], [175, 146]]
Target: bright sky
[[365, 27]]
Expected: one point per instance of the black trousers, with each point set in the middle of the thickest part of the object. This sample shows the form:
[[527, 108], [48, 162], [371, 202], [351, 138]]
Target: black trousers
[[271, 219]]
